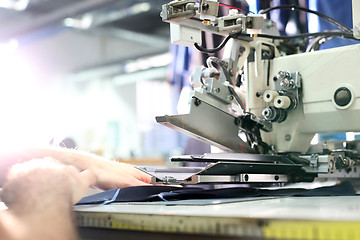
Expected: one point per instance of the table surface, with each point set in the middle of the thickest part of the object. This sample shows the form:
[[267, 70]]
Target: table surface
[[267, 218], [341, 208]]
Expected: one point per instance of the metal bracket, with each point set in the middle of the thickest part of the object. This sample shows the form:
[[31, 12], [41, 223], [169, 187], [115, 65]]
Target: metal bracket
[[240, 178]]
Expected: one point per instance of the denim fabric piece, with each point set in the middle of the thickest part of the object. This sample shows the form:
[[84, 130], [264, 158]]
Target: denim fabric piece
[[98, 198], [166, 193], [129, 194]]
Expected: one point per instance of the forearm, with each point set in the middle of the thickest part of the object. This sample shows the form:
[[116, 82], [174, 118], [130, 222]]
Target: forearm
[[10, 227], [53, 224], [41, 202]]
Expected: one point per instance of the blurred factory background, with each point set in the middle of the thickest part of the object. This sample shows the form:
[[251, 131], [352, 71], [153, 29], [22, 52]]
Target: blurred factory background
[[91, 70]]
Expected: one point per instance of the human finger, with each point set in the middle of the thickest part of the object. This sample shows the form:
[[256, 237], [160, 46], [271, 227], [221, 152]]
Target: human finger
[[137, 182], [142, 176], [88, 178], [85, 180]]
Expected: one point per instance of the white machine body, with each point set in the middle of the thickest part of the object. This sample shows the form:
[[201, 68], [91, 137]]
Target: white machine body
[[322, 74], [288, 98]]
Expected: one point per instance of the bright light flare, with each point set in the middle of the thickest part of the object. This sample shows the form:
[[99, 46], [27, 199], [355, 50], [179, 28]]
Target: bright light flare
[[18, 5], [315, 140], [26, 114]]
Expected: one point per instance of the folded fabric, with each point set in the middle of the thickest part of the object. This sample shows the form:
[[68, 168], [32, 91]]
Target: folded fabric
[[168, 193], [129, 194]]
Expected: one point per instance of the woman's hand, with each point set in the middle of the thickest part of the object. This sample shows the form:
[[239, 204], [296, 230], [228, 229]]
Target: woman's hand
[[109, 174]]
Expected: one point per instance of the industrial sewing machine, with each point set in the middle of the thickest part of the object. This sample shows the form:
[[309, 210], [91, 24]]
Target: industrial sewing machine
[[285, 96]]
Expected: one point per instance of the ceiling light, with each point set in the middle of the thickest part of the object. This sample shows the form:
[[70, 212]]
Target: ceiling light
[[18, 5]]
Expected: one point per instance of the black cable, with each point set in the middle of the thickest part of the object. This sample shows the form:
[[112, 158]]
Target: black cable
[[323, 16], [305, 35], [302, 35], [347, 33], [221, 45], [214, 50]]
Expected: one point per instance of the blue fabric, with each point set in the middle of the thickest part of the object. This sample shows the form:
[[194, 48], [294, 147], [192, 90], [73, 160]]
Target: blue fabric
[[167, 193], [340, 10], [179, 69], [129, 194]]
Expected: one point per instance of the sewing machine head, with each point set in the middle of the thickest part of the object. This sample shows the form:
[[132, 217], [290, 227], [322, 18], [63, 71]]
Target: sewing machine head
[[285, 96], [267, 94]]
